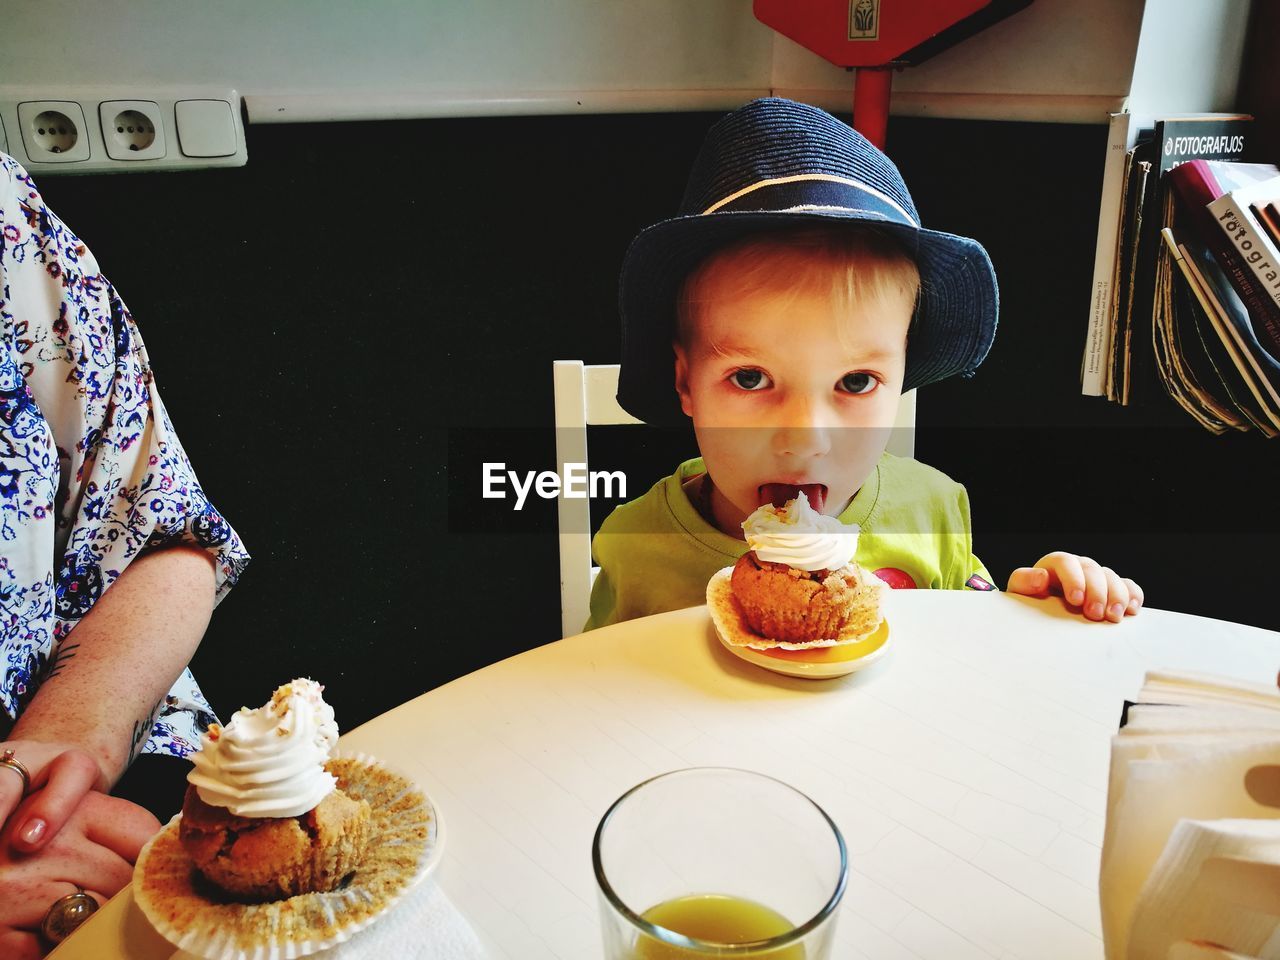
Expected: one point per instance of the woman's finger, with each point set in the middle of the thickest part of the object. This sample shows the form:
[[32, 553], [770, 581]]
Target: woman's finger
[[19, 945], [118, 825], [67, 779], [97, 868], [24, 910], [11, 784], [27, 901], [35, 756]]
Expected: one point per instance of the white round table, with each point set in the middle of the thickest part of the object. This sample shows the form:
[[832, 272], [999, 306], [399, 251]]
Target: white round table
[[967, 769]]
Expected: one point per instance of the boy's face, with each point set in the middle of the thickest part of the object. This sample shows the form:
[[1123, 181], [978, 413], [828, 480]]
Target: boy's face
[[786, 396]]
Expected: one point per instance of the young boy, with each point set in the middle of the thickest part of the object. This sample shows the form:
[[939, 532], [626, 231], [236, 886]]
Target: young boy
[[785, 311]]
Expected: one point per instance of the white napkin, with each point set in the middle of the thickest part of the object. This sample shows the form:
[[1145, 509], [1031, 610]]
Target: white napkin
[[425, 924], [1155, 782], [1217, 882]]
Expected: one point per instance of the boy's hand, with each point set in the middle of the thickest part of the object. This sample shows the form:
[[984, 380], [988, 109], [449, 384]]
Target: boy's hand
[[1099, 591]]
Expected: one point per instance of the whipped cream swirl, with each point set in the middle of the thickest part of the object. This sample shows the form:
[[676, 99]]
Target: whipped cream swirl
[[269, 762], [800, 537]]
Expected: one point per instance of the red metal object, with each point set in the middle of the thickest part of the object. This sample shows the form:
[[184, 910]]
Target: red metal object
[[875, 36], [871, 102]]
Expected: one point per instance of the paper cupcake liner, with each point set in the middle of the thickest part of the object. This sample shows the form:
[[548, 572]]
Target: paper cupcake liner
[[405, 843], [732, 623]]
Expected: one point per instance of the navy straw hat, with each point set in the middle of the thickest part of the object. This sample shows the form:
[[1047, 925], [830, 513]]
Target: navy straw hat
[[774, 163]]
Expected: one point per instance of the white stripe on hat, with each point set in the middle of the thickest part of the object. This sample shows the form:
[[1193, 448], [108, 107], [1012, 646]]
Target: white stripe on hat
[[818, 207], [830, 178]]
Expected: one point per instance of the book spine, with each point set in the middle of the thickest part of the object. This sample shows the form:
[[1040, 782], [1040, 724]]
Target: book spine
[[1097, 337], [1269, 217], [1252, 264]]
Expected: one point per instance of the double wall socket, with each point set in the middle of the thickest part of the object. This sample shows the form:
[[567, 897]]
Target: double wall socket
[[101, 130]]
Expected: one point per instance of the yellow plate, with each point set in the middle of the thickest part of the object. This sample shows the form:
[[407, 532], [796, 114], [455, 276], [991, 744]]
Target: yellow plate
[[816, 663], [819, 663]]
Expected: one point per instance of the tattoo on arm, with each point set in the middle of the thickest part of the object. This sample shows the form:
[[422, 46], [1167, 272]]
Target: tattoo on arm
[[142, 732], [65, 652]]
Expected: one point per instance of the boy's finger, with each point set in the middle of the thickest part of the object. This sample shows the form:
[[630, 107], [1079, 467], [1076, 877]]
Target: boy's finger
[[1117, 596], [1136, 596], [1095, 590], [1066, 567], [70, 776], [1030, 581]]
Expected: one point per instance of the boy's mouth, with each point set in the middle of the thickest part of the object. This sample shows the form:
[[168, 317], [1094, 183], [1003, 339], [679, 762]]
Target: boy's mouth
[[779, 494]]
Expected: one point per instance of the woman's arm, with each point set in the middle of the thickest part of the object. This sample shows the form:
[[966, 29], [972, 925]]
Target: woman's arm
[[113, 670], [96, 709]]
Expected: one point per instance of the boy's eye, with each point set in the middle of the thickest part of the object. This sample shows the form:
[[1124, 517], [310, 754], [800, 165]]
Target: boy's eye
[[749, 379], [858, 383]]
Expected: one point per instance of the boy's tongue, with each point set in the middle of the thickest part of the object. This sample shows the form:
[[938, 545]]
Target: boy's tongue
[[779, 494]]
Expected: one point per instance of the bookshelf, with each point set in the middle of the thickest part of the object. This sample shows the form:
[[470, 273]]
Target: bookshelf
[[1184, 311]]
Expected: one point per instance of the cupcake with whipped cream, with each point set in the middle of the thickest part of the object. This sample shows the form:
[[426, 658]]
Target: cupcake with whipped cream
[[263, 818], [799, 583]]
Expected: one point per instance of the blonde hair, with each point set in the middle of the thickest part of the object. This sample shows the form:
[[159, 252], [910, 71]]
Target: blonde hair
[[858, 264]]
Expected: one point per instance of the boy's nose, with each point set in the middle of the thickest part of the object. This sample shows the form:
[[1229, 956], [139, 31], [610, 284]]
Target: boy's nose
[[802, 441], [802, 428], [809, 441], [803, 434]]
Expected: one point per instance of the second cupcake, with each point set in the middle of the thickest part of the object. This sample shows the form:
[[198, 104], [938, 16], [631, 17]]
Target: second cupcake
[[263, 819]]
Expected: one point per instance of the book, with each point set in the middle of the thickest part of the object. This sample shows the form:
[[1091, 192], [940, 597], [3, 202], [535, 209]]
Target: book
[[1191, 845], [1223, 355], [1257, 368], [1233, 215], [1178, 140], [1123, 131], [1268, 215], [1199, 184], [1190, 373], [1235, 391], [1127, 278]]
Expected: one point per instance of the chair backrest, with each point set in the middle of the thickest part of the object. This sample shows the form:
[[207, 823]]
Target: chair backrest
[[586, 395]]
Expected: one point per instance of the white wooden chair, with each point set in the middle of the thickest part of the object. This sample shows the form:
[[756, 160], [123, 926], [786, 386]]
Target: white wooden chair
[[586, 395]]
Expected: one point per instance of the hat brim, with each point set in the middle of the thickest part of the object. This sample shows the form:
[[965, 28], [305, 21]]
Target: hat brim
[[953, 328]]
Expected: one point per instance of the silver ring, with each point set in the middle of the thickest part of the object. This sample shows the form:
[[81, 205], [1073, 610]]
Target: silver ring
[[7, 759], [67, 913]]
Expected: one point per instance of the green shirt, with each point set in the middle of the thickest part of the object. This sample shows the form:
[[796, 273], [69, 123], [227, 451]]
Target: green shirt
[[657, 553]]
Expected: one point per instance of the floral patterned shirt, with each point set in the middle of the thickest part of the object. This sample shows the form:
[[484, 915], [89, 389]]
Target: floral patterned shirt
[[91, 471]]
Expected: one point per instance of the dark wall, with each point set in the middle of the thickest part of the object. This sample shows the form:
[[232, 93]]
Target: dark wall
[[326, 334]]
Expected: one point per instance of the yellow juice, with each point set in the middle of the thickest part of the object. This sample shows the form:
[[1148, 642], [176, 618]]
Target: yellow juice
[[719, 919]]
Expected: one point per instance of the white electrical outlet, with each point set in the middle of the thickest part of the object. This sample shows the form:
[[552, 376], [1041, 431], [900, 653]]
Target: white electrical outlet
[[53, 131], [132, 129], [97, 129]]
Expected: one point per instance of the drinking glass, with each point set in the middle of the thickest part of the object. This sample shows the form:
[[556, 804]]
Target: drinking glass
[[718, 862]]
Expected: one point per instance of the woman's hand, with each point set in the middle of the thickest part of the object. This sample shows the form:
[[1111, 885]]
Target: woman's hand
[[1098, 591], [61, 774], [95, 851]]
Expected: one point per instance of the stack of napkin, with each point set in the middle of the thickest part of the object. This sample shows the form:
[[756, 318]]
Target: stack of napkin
[[1191, 856]]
